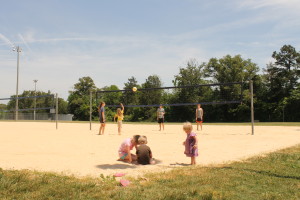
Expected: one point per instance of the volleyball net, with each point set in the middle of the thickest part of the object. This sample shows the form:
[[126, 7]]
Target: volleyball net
[[41, 107], [179, 101]]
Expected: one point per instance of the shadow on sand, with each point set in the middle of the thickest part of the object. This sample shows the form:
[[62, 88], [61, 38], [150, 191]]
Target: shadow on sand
[[116, 166], [124, 166], [180, 164]]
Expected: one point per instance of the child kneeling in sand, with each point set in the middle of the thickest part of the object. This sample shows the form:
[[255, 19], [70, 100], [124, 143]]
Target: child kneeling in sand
[[143, 152], [125, 148]]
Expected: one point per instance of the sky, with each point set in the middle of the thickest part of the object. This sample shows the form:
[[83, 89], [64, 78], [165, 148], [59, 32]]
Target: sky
[[112, 40]]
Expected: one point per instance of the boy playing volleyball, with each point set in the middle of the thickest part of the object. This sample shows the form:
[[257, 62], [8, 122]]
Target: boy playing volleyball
[[161, 117], [199, 116]]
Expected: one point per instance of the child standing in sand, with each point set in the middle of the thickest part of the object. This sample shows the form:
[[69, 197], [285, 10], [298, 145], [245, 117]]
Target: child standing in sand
[[120, 116], [125, 148], [191, 142], [102, 120], [199, 116]]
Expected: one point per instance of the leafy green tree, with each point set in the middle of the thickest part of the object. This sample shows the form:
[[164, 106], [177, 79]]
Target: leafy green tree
[[291, 104], [132, 98], [232, 69], [3, 106], [281, 79], [287, 67], [151, 97], [62, 106], [28, 103], [79, 98], [192, 74]]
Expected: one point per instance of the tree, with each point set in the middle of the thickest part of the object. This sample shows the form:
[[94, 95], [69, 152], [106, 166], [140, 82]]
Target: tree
[[292, 104], [151, 97], [3, 106], [192, 74], [281, 79], [287, 66], [132, 98], [232, 69], [28, 103], [288, 58], [79, 98], [62, 106]]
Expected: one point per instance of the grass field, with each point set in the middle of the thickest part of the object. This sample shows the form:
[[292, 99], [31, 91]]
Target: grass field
[[273, 176]]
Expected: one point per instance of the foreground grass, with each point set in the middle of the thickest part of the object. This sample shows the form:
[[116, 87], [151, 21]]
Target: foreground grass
[[275, 176]]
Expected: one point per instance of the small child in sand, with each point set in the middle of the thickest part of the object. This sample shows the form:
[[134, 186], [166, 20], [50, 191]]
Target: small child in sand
[[143, 152], [191, 142], [125, 148]]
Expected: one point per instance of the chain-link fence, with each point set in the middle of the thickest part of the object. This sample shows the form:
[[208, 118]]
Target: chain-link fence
[[38, 116]]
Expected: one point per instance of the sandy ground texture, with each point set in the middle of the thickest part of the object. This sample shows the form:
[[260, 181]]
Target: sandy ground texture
[[75, 150]]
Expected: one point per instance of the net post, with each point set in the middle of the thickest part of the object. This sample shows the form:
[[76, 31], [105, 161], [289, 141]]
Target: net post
[[91, 109], [252, 107], [56, 111]]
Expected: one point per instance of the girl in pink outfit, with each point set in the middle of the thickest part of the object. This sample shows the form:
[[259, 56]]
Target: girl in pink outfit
[[191, 142], [125, 148]]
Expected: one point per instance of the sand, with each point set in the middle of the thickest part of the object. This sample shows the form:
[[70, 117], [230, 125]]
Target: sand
[[73, 149]]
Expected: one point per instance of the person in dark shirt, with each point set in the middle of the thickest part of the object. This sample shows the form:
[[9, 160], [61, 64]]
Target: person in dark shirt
[[143, 152]]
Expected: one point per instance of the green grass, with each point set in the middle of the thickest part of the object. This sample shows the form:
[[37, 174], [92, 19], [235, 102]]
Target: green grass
[[271, 177]]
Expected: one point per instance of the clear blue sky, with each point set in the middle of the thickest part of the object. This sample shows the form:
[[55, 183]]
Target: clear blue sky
[[112, 40]]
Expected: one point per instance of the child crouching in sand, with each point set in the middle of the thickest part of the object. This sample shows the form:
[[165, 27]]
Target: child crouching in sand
[[191, 142], [125, 148], [143, 152]]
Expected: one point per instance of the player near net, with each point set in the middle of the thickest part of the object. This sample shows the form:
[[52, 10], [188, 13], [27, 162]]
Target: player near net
[[199, 116], [161, 117], [102, 120], [119, 116]]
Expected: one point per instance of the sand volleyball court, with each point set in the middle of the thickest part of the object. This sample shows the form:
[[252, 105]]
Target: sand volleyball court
[[74, 149]]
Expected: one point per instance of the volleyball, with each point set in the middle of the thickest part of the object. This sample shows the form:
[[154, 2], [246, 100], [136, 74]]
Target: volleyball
[[134, 89]]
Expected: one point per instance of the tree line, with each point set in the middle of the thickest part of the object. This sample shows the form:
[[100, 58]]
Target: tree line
[[276, 92]]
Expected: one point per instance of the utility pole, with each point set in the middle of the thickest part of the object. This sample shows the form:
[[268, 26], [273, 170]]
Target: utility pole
[[252, 107], [18, 49]]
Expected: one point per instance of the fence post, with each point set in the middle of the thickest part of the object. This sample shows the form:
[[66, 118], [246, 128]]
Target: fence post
[[91, 109], [252, 107], [56, 111]]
